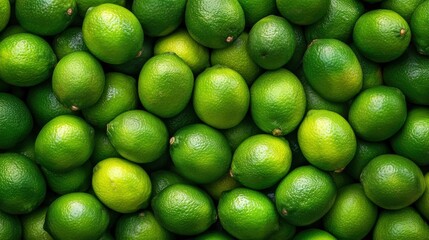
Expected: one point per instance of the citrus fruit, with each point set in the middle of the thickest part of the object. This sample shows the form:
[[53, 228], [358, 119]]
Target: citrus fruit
[[392, 181], [186, 117], [5, 11], [103, 148], [285, 231], [32, 225], [183, 45], [45, 17], [241, 132], [16, 120], [365, 152], [10, 30], [121, 185], [165, 85], [22, 186], [211, 27], [314, 234], [138, 136], [305, 195], [419, 19], [84, 5], [353, 215], [213, 235], [332, 69], [44, 105], [261, 161], [381, 35], [303, 12], [271, 42], [184, 209], [163, 178], [405, 223], [26, 147], [78, 80], [159, 18], [301, 45], [247, 214], [11, 228], [327, 140], [277, 102], [140, 225], [25, 60], [405, 8], [68, 41], [75, 180], [378, 113], [236, 56], [119, 95], [222, 184], [408, 73], [200, 153], [221, 97], [371, 71], [338, 22], [422, 203], [412, 139], [64, 143], [112, 33], [76, 215]]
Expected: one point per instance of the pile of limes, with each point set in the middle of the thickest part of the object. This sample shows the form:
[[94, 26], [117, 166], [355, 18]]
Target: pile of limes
[[214, 119]]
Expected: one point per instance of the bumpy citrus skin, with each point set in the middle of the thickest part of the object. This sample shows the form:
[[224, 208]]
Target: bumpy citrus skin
[[16, 121], [332, 69], [303, 12], [214, 23], [112, 33], [305, 195], [32, 225], [25, 60], [11, 226], [405, 8], [256, 10], [4, 13], [22, 187], [419, 19], [84, 5], [392, 181], [68, 41], [314, 233], [45, 17], [247, 214], [184, 209]]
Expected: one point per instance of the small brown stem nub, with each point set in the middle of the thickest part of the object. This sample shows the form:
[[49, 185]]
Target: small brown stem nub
[[139, 53], [69, 11], [403, 32], [74, 108], [277, 132], [284, 212], [229, 39], [172, 140]]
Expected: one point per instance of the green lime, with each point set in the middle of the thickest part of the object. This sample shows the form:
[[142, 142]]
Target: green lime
[[103, 148], [5, 12], [11, 228], [32, 225], [405, 8], [314, 234], [419, 19], [161, 179], [236, 135], [256, 10], [68, 41], [303, 12]]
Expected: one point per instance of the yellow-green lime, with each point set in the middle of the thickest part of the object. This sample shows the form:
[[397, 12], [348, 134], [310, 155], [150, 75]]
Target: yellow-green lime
[[305, 195], [165, 85], [76, 215], [392, 181], [277, 102], [255, 10], [159, 18], [378, 113], [213, 235], [327, 140], [241, 132], [44, 105], [22, 186], [121, 185], [64, 143], [10, 30], [338, 22], [140, 225], [200, 153], [184, 46], [405, 223], [103, 148], [78, 80], [26, 60], [412, 139], [271, 42], [119, 95], [221, 97], [45, 17], [184, 209], [138, 136], [332, 69], [32, 225], [408, 73], [236, 57], [314, 234], [261, 161], [112, 33], [247, 214], [16, 121], [211, 27], [222, 184], [419, 19], [68, 41], [75, 180], [5, 12], [303, 12], [353, 215], [11, 228], [381, 35]]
